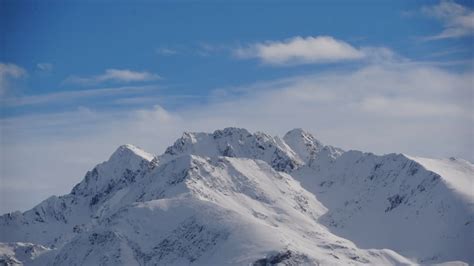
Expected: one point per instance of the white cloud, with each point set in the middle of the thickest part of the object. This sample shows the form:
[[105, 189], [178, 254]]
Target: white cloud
[[381, 55], [9, 72], [114, 75], [166, 51], [411, 108], [69, 96], [299, 50], [408, 107], [45, 67], [458, 21]]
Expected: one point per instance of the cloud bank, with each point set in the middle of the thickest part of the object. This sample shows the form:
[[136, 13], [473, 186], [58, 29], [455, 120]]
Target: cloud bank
[[406, 107]]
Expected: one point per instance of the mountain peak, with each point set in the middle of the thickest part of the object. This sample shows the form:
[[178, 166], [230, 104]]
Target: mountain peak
[[228, 131], [301, 133], [128, 150], [235, 142], [303, 143], [122, 165], [297, 131], [126, 158]]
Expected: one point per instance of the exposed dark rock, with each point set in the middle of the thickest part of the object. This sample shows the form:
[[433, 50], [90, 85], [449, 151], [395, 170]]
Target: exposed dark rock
[[282, 258], [395, 201]]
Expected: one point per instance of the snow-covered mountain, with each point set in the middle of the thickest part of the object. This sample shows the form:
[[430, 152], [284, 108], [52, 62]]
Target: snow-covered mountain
[[236, 198]]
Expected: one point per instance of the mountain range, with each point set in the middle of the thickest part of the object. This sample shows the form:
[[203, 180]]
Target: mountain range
[[233, 197]]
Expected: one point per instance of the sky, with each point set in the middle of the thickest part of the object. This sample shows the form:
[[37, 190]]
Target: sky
[[80, 78]]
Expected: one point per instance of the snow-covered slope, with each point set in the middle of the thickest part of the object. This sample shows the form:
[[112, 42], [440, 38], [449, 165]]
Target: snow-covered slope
[[455, 172], [67, 212], [422, 208], [237, 198], [236, 142], [393, 202], [21, 253]]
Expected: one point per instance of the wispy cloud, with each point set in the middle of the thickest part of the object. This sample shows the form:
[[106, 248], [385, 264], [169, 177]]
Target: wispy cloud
[[202, 49], [458, 20], [148, 100], [165, 51], [45, 67], [300, 50], [75, 95], [448, 52], [114, 75], [207, 49], [8, 73]]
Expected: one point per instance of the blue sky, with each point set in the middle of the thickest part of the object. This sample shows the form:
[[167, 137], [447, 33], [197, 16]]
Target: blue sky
[[79, 78], [85, 38]]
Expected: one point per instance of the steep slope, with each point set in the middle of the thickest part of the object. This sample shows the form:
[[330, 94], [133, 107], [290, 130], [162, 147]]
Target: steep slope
[[233, 197], [392, 201], [21, 253], [58, 217], [210, 214], [360, 188], [210, 211], [456, 173]]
